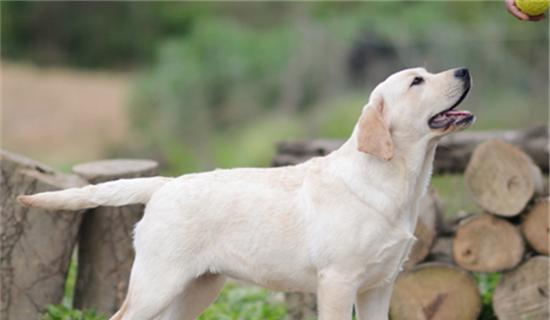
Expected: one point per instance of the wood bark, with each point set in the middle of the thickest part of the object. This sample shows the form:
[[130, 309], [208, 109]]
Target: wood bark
[[523, 292], [501, 178], [105, 252], [452, 155], [535, 226], [485, 243], [36, 244], [433, 291]]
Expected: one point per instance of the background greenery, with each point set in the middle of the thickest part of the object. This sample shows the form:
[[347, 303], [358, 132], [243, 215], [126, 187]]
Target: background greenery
[[220, 83]]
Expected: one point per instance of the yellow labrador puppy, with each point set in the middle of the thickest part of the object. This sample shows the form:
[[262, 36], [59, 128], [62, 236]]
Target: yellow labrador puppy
[[340, 225]]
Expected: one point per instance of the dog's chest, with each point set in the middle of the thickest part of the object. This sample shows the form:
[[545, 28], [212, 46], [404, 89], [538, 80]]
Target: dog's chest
[[382, 264]]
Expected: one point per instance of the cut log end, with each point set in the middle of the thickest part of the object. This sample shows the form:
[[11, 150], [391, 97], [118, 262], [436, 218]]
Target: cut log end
[[107, 170], [536, 226], [485, 243], [502, 178], [435, 291], [523, 292]]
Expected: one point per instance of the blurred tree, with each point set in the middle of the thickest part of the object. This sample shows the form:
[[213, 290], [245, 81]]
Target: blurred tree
[[93, 34]]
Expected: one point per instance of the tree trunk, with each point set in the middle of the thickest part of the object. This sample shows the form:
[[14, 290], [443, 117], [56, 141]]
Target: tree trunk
[[433, 291], [536, 226], [485, 243], [452, 154], [36, 244], [105, 252], [502, 178], [523, 292]]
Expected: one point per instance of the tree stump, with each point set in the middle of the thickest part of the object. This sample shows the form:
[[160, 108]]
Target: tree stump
[[36, 244], [523, 292], [105, 251], [429, 217], [485, 243], [433, 291], [502, 178], [536, 226]]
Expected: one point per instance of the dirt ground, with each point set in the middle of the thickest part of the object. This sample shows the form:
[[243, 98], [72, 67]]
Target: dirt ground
[[62, 116]]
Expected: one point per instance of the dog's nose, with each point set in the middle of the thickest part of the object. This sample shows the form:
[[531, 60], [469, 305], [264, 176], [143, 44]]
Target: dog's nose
[[462, 73]]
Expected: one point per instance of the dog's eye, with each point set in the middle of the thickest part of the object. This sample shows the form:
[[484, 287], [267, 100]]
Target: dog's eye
[[417, 81]]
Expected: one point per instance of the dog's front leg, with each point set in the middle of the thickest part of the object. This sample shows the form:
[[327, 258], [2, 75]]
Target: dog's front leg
[[335, 295], [374, 304]]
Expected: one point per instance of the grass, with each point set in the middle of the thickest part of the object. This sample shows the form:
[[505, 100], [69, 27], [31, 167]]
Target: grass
[[234, 302], [244, 302], [454, 195]]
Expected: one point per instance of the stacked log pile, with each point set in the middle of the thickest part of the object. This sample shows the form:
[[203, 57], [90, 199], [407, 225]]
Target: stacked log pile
[[452, 155], [510, 234]]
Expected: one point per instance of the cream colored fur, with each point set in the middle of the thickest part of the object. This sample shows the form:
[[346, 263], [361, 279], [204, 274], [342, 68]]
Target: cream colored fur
[[340, 225]]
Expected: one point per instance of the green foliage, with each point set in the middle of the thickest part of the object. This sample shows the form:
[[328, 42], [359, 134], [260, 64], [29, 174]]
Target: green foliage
[[86, 34], [487, 283], [254, 143], [455, 196], [245, 303], [221, 72], [61, 312], [70, 281]]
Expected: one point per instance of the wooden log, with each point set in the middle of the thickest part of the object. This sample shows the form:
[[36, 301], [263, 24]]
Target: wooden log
[[105, 251], [429, 219], [501, 178], [535, 226], [485, 243], [455, 151], [452, 155], [433, 291], [35, 244], [442, 250], [523, 292]]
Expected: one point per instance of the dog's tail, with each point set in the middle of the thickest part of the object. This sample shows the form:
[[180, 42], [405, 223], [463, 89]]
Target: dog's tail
[[113, 193]]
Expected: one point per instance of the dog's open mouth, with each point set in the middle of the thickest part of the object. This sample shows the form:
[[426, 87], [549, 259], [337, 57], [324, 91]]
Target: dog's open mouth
[[451, 117]]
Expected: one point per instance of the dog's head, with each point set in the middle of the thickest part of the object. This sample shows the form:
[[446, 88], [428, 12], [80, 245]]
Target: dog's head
[[412, 105]]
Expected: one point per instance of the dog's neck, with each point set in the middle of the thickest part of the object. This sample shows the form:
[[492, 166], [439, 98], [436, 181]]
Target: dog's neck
[[406, 176]]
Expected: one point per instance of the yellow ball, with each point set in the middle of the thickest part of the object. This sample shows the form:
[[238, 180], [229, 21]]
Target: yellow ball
[[533, 7]]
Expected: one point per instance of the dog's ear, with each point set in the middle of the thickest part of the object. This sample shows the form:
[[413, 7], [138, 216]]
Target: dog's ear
[[373, 135]]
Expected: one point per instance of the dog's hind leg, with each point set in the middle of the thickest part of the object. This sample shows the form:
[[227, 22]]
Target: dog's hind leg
[[195, 298], [153, 286]]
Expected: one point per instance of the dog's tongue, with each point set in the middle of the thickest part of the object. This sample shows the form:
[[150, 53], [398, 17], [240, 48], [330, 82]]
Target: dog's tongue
[[450, 117]]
